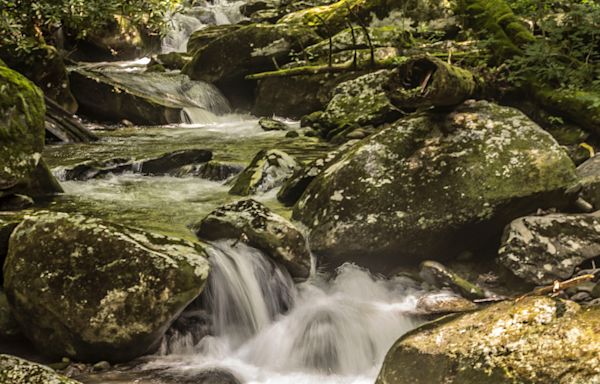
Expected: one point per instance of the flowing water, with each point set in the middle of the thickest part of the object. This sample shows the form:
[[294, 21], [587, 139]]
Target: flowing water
[[252, 320]]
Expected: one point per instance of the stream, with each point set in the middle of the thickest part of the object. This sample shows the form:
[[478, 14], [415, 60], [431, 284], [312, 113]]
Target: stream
[[252, 321]]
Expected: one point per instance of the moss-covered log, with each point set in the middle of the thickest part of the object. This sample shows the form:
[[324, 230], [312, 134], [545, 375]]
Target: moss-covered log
[[497, 21], [581, 107], [427, 81]]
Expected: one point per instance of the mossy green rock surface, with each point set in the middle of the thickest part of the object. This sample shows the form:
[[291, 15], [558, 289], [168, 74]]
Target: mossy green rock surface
[[14, 370], [433, 185], [537, 340], [94, 291], [22, 112]]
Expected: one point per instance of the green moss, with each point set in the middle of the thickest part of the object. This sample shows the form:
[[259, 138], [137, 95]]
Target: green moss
[[580, 106], [22, 111]]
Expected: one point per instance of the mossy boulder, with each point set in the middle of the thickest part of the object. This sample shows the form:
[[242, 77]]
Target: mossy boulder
[[22, 132], [441, 277], [433, 185], [589, 180], [261, 228], [543, 249], [332, 18], [14, 370], [202, 37], [536, 340], [266, 171], [94, 291], [250, 49], [8, 325], [357, 103]]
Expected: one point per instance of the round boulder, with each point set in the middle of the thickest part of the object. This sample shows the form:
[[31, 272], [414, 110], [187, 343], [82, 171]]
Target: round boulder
[[93, 291], [432, 186]]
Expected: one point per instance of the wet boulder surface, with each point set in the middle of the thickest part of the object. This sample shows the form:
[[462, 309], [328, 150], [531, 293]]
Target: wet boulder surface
[[433, 185], [14, 370], [92, 290], [251, 222], [268, 170], [535, 340], [543, 249]]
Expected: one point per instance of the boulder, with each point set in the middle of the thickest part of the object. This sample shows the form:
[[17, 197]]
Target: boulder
[[294, 97], [254, 48], [268, 170], [439, 276], [8, 325], [92, 290], [433, 185], [202, 37], [358, 103], [148, 98], [536, 340], [212, 170], [7, 226], [269, 124], [294, 187], [443, 303], [14, 370], [543, 249], [589, 179], [22, 134], [332, 18], [262, 229]]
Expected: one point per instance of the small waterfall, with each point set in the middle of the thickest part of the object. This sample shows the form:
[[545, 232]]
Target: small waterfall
[[190, 18], [261, 325]]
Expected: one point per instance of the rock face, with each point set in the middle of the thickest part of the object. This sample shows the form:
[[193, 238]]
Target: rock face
[[14, 370], [21, 128], [267, 170], [536, 340], [263, 229], [358, 103], [433, 185], [542, 249], [7, 225], [8, 325], [96, 291], [294, 187]]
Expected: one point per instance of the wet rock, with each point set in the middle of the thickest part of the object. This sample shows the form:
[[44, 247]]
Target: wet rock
[[148, 98], [440, 276], [432, 186], [589, 179], [167, 164], [95, 290], [212, 170], [268, 170], [101, 366], [8, 325], [542, 249], [294, 187], [260, 228], [536, 340], [443, 303], [596, 291], [357, 103], [268, 124], [206, 376], [15, 202], [172, 60], [7, 226], [14, 370]]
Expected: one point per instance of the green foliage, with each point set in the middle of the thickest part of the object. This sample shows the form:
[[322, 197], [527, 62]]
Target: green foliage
[[566, 51], [26, 23]]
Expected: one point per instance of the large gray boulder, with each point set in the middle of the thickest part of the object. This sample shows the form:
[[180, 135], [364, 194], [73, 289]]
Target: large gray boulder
[[93, 291], [268, 170], [542, 249], [261, 228], [536, 340], [14, 370], [432, 186]]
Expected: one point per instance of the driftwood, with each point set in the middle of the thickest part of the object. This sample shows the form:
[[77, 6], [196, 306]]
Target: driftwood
[[62, 125]]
